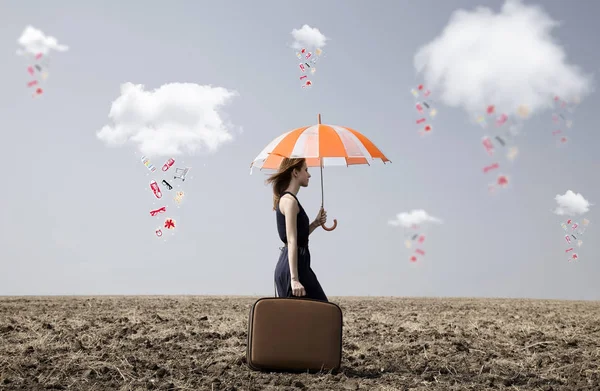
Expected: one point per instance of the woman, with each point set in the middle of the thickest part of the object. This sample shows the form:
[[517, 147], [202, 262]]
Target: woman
[[293, 274]]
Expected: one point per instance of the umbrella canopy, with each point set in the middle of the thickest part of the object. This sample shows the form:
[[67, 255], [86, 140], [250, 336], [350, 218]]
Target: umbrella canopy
[[321, 145]]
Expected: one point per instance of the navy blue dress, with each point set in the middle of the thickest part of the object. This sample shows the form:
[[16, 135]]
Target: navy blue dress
[[306, 276]]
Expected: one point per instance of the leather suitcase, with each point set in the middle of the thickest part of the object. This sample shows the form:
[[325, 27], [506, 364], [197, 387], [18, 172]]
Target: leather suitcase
[[294, 335]]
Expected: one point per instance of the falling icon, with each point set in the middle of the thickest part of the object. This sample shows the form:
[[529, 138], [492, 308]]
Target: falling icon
[[169, 224]]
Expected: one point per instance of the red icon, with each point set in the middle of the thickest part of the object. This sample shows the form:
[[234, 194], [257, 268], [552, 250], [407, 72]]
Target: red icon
[[157, 211], [155, 189], [168, 164], [421, 239], [502, 180], [502, 119], [307, 84], [413, 259], [487, 144], [490, 167], [419, 251], [158, 232], [169, 223]]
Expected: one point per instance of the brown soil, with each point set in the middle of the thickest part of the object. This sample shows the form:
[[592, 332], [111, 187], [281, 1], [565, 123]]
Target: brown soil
[[198, 343]]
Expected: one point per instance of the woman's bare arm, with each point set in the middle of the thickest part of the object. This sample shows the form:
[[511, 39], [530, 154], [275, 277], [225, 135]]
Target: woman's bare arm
[[289, 208], [314, 225], [319, 220]]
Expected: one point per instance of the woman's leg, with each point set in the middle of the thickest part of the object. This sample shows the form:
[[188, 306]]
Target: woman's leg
[[309, 280], [282, 275], [316, 291]]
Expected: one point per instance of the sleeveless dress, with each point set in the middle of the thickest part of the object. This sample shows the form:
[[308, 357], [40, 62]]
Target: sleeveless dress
[[306, 276]]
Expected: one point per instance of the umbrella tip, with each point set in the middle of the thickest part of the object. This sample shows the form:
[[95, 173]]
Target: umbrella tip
[[319, 118]]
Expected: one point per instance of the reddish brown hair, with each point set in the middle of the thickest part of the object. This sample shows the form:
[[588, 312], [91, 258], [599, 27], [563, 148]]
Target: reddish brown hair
[[282, 178]]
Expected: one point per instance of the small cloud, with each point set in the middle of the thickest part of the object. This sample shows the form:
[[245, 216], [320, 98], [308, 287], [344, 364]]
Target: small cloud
[[415, 217], [34, 42], [172, 117], [308, 37], [507, 59], [571, 204]]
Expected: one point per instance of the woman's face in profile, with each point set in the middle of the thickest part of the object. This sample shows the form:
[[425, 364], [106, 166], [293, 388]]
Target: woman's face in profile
[[304, 175]]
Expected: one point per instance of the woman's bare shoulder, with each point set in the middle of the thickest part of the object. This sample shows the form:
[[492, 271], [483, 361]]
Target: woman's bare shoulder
[[287, 202]]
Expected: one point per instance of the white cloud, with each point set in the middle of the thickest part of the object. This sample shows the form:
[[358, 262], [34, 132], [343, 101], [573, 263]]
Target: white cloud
[[34, 41], [414, 217], [308, 37], [571, 204], [506, 59], [164, 121]]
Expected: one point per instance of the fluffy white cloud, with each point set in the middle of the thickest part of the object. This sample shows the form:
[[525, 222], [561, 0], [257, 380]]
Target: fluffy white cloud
[[506, 59], [308, 37], [414, 217], [165, 121], [571, 204], [34, 41]]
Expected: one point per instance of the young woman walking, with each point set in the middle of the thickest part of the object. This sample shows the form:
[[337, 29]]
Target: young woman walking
[[293, 274]]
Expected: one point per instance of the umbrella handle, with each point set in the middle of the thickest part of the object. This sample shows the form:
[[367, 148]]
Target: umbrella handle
[[331, 228]]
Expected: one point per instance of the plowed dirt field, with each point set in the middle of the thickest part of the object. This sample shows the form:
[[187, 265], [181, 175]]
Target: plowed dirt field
[[198, 343]]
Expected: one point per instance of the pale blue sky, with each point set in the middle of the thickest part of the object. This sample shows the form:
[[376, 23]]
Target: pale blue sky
[[75, 211]]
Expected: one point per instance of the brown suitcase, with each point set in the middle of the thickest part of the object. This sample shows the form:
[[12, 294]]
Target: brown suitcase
[[295, 335]]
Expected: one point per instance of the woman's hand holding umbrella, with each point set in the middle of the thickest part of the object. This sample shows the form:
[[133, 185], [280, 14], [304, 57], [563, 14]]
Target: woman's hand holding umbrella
[[321, 219]]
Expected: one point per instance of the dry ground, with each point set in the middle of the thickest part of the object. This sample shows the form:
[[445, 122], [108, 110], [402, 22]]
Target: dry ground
[[198, 343]]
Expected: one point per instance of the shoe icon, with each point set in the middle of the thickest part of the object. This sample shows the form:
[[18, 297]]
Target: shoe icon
[[168, 164], [155, 189]]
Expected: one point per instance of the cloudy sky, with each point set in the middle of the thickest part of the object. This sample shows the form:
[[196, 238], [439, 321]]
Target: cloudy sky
[[210, 84]]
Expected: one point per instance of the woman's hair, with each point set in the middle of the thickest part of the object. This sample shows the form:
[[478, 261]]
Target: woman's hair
[[282, 178]]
